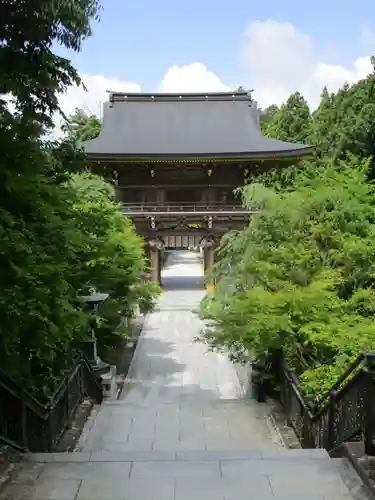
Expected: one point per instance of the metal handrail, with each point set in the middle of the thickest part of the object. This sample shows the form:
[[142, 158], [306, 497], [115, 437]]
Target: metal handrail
[[328, 424], [28, 424], [352, 368]]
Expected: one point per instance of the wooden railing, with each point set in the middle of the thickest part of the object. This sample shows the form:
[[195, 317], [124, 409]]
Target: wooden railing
[[182, 207], [347, 411], [27, 424]]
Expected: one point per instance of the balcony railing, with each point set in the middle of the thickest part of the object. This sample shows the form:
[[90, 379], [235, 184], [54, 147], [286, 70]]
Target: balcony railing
[[172, 208]]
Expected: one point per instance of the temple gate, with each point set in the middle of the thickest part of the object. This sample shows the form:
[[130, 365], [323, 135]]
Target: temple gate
[[177, 159]]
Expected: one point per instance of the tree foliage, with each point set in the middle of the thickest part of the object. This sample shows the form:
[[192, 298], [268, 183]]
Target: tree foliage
[[30, 70], [60, 229], [61, 239], [302, 272], [291, 122], [38, 255], [81, 127]]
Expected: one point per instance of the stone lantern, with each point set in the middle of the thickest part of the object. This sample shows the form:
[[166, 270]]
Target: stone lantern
[[89, 346]]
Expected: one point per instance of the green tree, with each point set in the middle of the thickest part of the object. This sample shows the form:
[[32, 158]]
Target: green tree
[[30, 71], [301, 276], [82, 127], [39, 242], [343, 123], [41, 247], [267, 117], [113, 257], [40, 250], [305, 266], [291, 122], [323, 121], [65, 235]]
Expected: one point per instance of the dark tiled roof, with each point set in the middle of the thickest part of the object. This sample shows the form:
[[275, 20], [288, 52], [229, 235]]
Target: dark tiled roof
[[173, 125]]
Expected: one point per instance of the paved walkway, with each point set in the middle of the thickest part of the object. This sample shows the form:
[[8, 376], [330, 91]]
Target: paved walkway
[[180, 396], [169, 364], [182, 429]]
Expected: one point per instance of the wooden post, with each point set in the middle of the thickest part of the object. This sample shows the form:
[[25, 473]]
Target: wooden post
[[305, 438], [160, 252], [155, 264], [24, 421], [369, 402], [210, 258], [204, 260], [209, 262], [156, 246], [331, 441]]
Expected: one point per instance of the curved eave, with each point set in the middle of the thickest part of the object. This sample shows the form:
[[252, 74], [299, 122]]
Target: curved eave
[[260, 156]]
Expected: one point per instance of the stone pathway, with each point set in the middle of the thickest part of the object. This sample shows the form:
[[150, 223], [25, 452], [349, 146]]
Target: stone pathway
[[182, 429], [180, 396], [169, 365]]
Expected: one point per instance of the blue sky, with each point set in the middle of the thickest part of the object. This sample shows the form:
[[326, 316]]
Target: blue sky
[[139, 42]]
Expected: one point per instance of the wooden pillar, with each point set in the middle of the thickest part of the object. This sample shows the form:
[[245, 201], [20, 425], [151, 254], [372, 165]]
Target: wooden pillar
[[209, 246], [209, 258], [162, 256], [155, 264], [155, 251]]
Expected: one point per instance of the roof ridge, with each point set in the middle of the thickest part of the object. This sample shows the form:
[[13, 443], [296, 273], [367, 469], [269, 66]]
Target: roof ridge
[[176, 97]]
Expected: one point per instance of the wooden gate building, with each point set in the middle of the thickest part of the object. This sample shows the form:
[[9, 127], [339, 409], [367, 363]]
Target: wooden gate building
[[176, 160]]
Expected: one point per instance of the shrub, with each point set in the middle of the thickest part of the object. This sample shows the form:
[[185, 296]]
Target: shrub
[[306, 268]]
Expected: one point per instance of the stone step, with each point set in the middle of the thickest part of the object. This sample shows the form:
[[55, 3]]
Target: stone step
[[351, 479], [208, 425], [180, 455], [220, 475], [190, 402]]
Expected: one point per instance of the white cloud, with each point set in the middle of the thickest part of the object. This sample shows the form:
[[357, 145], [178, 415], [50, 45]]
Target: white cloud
[[334, 76], [277, 59], [92, 98], [280, 59], [277, 53], [193, 77]]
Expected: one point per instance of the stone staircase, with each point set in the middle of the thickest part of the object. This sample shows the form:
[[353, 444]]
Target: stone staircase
[[182, 430], [211, 450]]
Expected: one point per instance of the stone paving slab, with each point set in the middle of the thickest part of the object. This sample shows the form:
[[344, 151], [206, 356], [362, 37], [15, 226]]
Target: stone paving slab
[[139, 489], [53, 489], [113, 471], [203, 478]]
